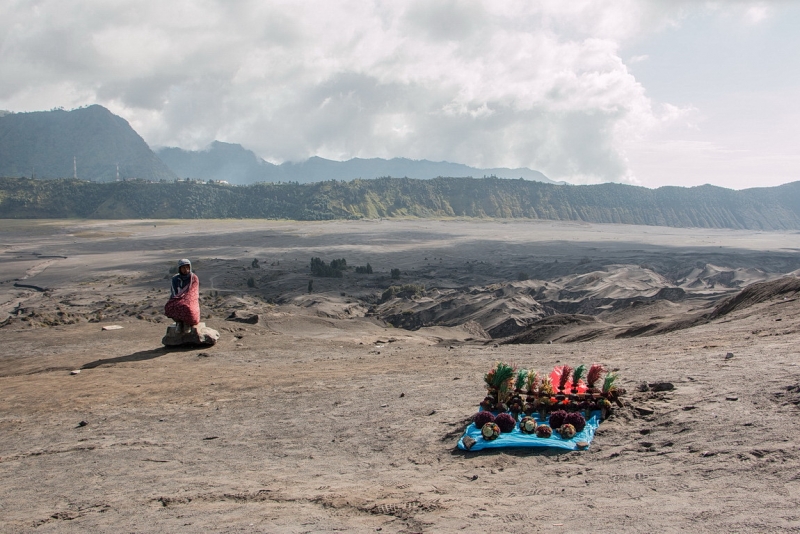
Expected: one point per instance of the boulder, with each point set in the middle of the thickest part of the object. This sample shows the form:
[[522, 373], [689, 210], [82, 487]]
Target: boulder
[[244, 317], [199, 335]]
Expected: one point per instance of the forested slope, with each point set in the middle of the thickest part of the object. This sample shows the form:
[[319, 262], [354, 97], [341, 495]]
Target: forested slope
[[51, 144], [775, 208]]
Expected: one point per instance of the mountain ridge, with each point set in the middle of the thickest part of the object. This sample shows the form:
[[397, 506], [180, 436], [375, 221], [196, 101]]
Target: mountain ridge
[[235, 164], [91, 142], [770, 208], [46, 144]]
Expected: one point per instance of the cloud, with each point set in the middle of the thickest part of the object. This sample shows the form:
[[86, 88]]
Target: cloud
[[446, 20], [758, 13], [487, 83], [638, 59], [751, 12]]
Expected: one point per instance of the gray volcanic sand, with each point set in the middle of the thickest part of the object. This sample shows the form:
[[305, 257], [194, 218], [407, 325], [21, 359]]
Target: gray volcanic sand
[[322, 417]]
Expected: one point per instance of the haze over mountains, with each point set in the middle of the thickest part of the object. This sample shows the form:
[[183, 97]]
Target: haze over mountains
[[44, 144], [237, 165]]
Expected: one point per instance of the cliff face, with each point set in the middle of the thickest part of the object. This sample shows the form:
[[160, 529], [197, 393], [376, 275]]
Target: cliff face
[[776, 208]]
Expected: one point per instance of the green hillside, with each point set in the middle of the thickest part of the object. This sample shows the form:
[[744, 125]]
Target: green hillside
[[47, 144], [776, 208]]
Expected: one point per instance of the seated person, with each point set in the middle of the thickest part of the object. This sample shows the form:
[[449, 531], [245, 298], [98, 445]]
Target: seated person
[[183, 305]]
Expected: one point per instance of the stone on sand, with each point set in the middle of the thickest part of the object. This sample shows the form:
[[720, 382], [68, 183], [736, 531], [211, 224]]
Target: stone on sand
[[199, 335], [244, 317]]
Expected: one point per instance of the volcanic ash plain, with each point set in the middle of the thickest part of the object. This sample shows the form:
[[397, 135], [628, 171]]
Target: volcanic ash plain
[[336, 403]]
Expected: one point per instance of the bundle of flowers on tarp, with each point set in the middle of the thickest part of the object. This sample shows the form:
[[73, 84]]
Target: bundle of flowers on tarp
[[525, 409]]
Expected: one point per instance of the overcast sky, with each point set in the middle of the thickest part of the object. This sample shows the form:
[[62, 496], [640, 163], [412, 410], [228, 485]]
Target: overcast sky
[[645, 92]]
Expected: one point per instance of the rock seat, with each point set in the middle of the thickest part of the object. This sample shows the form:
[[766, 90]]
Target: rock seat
[[199, 335]]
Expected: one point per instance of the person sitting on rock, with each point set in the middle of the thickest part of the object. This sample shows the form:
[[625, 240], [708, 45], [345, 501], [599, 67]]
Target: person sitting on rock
[[183, 305]]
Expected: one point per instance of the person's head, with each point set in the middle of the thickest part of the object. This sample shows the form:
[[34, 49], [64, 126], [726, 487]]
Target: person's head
[[184, 266]]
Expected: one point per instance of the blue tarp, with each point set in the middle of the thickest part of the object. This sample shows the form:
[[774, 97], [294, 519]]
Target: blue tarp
[[518, 439]]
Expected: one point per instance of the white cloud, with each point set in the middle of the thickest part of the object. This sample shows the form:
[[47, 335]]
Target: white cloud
[[758, 13], [487, 83], [748, 11]]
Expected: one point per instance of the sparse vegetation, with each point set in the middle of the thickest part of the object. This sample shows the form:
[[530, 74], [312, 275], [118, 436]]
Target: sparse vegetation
[[403, 291], [367, 269], [334, 270], [395, 274]]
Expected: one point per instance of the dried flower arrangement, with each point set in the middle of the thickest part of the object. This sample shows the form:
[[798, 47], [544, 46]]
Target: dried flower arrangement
[[527, 425], [481, 418], [567, 395], [567, 431], [557, 419], [506, 422], [490, 431], [576, 420]]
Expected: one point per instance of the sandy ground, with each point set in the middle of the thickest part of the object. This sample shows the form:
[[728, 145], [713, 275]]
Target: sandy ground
[[322, 417]]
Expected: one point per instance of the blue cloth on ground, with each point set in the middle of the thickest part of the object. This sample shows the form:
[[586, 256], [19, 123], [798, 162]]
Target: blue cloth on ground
[[516, 438]]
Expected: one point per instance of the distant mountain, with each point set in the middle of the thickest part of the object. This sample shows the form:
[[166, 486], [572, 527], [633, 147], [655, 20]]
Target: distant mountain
[[44, 143], [220, 161], [237, 165], [769, 208], [318, 169]]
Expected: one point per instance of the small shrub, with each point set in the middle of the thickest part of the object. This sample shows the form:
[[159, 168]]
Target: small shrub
[[395, 274], [367, 269], [334, 270], [404, 291], [251, 282]]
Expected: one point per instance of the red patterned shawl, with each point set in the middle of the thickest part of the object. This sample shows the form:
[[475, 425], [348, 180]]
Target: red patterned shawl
[[185, 307]]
